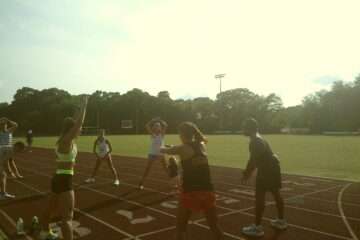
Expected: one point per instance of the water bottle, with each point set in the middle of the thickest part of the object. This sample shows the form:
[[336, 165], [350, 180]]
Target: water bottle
[[35, 225], [20, 227]]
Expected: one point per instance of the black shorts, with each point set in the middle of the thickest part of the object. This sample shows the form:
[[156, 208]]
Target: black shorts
[[269, 179], [61, 183]]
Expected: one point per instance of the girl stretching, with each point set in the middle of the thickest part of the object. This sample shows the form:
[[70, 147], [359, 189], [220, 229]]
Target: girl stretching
[[157, 129], [62, 198], [197, 193], [268, 179], [102, 149]]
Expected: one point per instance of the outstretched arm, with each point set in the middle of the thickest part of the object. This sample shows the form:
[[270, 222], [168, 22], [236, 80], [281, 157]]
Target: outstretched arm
[[79, 118], [164, 126], [12, 126]]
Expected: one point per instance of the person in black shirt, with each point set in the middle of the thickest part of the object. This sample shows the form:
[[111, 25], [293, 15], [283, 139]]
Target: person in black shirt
[[268, 178], [29, 139], [197, 191]]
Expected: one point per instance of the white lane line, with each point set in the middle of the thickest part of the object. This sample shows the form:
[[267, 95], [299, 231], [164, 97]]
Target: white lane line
[[346, 222], [151, 233], [85, 186], [272, 203], [78, 210], [225, 233]]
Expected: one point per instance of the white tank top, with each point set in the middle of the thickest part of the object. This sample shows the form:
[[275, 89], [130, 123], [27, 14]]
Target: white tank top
[[157, 141], [102, 147], [5, 139]]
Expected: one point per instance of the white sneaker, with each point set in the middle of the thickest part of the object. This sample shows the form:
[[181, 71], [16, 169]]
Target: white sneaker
[[90, 180], [141, 187], [8, 195], [280, 224], [253, 231], [45, 235], [117, 182]]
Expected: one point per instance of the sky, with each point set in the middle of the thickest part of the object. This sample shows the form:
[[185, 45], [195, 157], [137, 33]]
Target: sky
[[288, 47]]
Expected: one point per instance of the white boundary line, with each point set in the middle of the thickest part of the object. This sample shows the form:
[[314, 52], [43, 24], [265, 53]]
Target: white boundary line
[[341, 210]]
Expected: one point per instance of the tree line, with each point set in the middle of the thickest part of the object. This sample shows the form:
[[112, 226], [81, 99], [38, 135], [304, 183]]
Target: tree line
[[44, 110]]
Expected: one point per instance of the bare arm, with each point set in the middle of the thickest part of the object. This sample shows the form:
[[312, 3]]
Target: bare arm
[[148, 126], [110, 146], [250, 167], [12, 126], [94, 147], [174, 150], [79, 120], [164, 126]]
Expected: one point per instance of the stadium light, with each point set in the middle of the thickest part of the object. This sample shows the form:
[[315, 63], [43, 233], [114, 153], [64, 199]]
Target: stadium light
[[220, 77]]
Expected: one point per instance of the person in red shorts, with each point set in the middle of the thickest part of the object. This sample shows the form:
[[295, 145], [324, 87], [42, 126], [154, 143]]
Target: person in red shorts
[[197, 191]]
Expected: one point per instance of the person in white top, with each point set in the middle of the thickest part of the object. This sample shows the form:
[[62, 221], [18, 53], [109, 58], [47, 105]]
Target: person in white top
[[157, 129], [102, 149], [7, 128]]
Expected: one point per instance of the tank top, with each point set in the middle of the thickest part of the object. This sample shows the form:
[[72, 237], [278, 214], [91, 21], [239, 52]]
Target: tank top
[[102, 147], [6, 139], [69, 157], [196, 171], [157, 141]]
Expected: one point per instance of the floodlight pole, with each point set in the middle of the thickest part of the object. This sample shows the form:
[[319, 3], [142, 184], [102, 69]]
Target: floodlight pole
[[220, 77]]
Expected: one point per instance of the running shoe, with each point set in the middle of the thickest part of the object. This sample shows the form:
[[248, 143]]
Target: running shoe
[[48, 235], [8, 195], [117, 182], [280, 224], [253, 231], [90, 180]]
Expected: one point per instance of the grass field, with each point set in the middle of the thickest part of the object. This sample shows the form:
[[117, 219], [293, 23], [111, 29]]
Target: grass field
[[325, 156]]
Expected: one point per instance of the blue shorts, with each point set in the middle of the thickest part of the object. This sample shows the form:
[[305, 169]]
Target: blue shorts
[[154, 157]]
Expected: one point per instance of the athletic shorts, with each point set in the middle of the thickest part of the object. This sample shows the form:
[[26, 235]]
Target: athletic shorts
[[269, 180], [198, 201], [154, 157], [5, 154], [103, 155], [61, 183]]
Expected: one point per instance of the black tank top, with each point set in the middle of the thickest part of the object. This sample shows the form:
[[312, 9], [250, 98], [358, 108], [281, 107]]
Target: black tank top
[[196, 170]]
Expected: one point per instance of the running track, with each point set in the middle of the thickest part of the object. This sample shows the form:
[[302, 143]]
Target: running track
[[316, 208]]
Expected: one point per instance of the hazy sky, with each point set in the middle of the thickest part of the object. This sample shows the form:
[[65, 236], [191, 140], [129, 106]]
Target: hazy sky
[[290, 47]]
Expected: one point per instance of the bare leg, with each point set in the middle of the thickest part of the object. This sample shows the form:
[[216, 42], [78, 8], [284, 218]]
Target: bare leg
[[14, 168], [3, 177], [182, 219], [66, 207], [97, 166], [259, 206], [49, 212], [147, 170], [279, 203], [212, 220], [112, 168]]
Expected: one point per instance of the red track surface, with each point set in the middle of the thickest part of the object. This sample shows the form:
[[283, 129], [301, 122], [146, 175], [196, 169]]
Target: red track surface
[[316, 208]]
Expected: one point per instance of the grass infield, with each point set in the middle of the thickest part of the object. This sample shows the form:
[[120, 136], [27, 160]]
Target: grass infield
[[323, 156]]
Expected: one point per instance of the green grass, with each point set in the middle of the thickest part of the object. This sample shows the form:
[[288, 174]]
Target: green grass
[[324, 156]]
